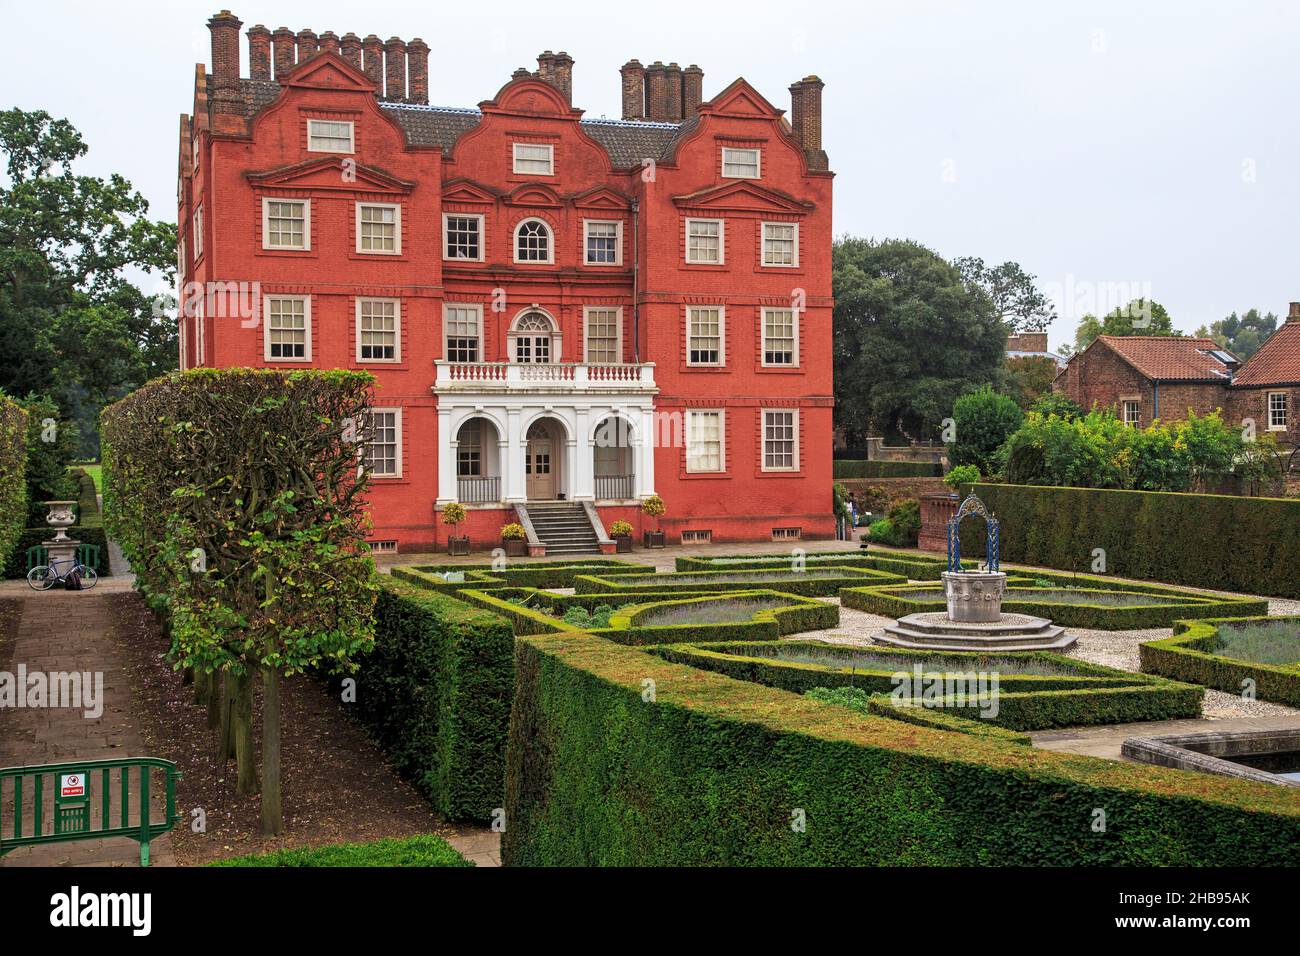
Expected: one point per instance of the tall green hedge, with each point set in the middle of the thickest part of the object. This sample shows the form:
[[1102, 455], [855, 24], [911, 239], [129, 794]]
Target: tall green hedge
[[436, 693], [622, 759], [862, 468], [13, 471], [1248, 545]]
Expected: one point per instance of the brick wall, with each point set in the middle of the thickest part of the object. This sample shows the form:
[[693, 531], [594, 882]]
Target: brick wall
[[1100, 378]]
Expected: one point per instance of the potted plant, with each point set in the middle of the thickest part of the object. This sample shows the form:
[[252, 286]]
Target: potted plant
[[653, 507], [513, 540], [621, 532], [453, 513], [961, 475]]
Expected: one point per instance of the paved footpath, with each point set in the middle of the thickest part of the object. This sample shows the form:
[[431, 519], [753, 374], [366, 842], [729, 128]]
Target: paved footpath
[[69, 631]]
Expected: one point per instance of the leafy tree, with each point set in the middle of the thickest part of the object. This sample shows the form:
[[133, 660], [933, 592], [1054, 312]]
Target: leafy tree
[[910, 335], [1241, 336], [51, 447], [1139, 317], [71, 325], [983, 420], [1027, 378], [1018, 300], [1059, 404]]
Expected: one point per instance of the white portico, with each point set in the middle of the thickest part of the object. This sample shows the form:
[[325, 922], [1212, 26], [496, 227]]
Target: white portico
[[510, 432]]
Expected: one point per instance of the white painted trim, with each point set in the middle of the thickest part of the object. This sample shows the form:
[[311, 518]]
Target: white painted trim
[[762, 440], [482, 235], [266, 328], [1286, 410], [399, 451], [762, 337], [352, 135], [618, 337], [550, 242], [397, 329], [618, 241], [266, 224], [722, 442], [197, 224], [397, 228], [758, 161], [475, 307], [762, 246], [722, 242], [514, 158], [722, 337]]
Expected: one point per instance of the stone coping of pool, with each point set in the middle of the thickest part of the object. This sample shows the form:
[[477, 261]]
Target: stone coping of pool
[[1151, 607], [1212, 752], [1190, 655], [814, 582]]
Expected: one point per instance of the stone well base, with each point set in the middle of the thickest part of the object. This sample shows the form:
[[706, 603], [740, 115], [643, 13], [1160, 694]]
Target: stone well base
[[932, 631]]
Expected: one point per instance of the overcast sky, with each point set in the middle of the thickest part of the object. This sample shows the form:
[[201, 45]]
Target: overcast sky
[[1110, 148]]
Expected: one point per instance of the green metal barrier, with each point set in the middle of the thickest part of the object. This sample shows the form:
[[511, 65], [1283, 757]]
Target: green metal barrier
[[33, 813]]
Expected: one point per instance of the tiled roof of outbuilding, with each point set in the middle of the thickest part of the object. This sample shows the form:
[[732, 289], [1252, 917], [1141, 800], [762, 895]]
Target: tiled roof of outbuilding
[[1167, 358], [1278, 360]]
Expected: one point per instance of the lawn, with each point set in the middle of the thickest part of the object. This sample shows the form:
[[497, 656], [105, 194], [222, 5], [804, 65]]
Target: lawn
[[96, 475]]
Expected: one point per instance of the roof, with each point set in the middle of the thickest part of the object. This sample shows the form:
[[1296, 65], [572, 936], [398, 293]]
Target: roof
[[627, 142], [1277, 362], [1173, 358]]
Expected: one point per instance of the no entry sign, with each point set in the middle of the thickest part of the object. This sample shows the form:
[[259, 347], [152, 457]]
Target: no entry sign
[[72, 785]]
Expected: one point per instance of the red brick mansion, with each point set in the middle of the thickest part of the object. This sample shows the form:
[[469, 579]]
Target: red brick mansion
[[564, 315]]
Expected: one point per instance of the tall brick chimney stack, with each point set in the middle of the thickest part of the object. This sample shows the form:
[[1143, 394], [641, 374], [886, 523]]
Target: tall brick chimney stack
[[806, 119], [633, 74], [1294, 314], [656, 92], [259, 52], [673, 93], [564, 75], [692, 90], [307, 44], [329, 42], [417, 54], [546, 67], [350, 49], [282, 40], [226, 95], [394, 70], [373, 48]]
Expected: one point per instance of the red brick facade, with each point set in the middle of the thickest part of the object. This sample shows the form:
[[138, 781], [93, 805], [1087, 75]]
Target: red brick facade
[[325, 192]]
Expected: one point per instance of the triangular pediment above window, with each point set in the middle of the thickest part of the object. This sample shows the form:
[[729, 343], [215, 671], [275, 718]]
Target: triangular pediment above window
[[602, 197], [743, 197], [466, 190], [531, 194], [331, 172], [327, 71]]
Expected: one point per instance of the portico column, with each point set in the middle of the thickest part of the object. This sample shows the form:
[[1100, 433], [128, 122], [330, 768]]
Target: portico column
[[512, 469], [645, 455], [570, 467], [446, 458], [503, 467], [583, 480]]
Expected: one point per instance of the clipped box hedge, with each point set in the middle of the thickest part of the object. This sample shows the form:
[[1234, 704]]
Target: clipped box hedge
[[1190, 655], [812, 583], [896, 602], [436, 692], [557, 574], [914, 567], [1209, 541], [423, 850], [1086, 694], [708, 770], [873, 468], [882, 705]]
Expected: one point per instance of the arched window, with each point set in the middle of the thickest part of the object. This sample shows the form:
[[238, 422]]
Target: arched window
[[532, 338], [532, 241]]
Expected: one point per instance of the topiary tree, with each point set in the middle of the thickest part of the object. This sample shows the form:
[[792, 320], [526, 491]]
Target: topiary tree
[[13, 468], [983, 421]]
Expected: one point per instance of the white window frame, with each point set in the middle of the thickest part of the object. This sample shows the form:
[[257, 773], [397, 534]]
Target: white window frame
[[550, 242], [266, 329], [722, 337], [758, 161], [266, 224], [197, 223], [184, 338], [722, 242], [762, 441], [514, 159], [762, 247], [397, 329], [1124, 404], [762, 337], [477, 309], [618, 331], [722, 441], [397, 228], [182, 263], [618, 241], [1286, 410], [398, 451], [200, 354], [352, 135], [194, 143], [482, 235]]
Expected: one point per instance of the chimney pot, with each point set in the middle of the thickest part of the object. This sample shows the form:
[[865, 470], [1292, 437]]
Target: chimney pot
[[283, 41], [259, 52], [226, 95], [373, 47], [692, 90], [394, 70], [307, 44], [350, 48], [806, 119], [417, 53], [633, 75]]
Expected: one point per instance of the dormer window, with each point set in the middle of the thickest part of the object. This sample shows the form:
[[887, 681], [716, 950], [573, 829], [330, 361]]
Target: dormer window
[[740, 163], [534, 159], [329, 136]]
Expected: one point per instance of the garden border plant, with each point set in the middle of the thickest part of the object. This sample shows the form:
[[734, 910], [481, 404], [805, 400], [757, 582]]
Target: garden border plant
[[805, 584], [549, 574], [1189, 655], [915, 567]]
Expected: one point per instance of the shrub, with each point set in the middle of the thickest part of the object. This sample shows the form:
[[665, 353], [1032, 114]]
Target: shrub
[[620, 529], [983, 420], [13, 470], [820, 581], [855, 698], [52, 442], [512, 532], [653, 507], [1194, 654], [425, 850], [453, 513], [1223, 542], [436, 692], [1058, 404], [864, 468], [708, 772], [961, 475], [901, 528]]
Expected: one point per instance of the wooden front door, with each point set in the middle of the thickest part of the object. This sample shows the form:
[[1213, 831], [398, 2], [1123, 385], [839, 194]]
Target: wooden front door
[[539, 469]]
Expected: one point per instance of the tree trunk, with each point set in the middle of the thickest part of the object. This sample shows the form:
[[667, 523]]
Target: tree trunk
[[272, 817], [226, 731], [214, 700], [241, 719], [200, 686]]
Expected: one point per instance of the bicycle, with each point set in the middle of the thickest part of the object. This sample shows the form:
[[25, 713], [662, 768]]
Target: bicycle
[[45, 576]]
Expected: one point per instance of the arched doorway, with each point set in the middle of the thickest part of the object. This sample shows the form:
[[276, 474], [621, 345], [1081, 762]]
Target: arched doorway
[[613, 463], [533, 339], [478, 469], [544, 442]]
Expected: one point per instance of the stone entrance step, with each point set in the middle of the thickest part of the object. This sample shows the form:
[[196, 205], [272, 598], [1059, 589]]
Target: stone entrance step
[[932, 631]]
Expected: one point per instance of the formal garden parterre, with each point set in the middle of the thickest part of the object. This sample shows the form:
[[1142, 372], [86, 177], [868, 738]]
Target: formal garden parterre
[[1260, 655]]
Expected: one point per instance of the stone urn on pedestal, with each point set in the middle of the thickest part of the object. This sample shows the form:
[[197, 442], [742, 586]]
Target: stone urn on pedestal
[[61, 517]]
